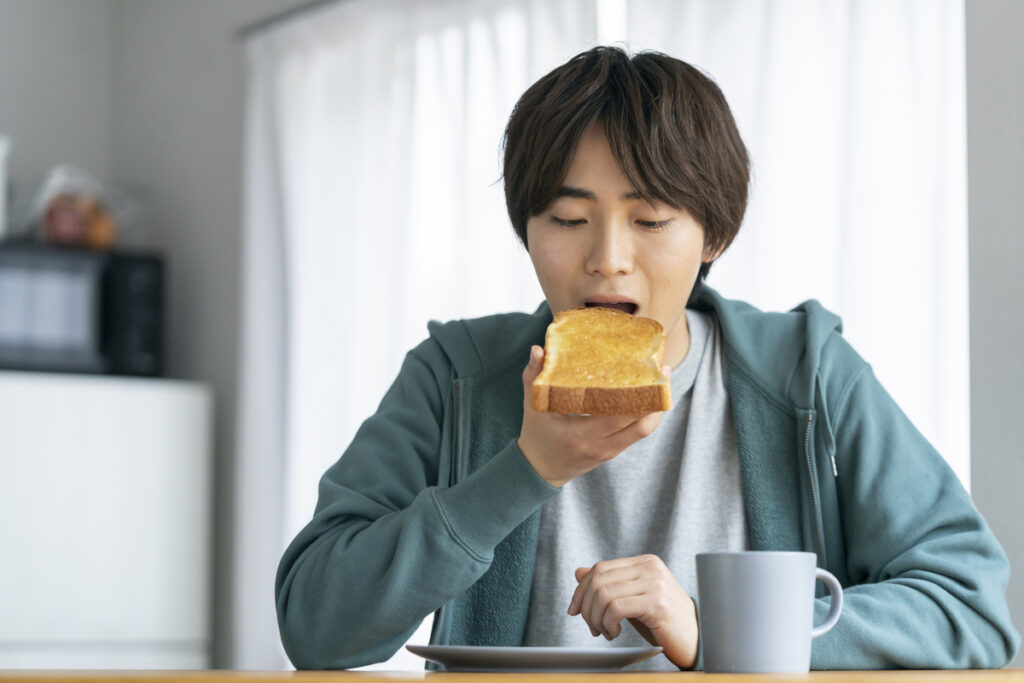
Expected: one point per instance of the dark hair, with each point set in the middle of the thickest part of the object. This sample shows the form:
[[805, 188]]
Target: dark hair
[[668, 126]]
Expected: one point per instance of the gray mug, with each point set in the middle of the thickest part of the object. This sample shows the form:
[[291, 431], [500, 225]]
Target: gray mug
[[756, 610]]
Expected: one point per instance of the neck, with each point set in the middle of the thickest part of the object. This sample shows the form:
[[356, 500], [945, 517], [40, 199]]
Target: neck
[[677, 343]]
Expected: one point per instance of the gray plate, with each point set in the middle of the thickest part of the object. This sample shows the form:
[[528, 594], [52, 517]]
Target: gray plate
[[475, 658]]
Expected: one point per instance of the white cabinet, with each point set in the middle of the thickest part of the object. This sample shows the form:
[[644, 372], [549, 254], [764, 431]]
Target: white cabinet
[[105, 522]]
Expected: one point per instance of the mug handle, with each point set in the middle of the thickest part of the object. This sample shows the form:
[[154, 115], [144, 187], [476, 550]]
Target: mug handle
[[835, 592]]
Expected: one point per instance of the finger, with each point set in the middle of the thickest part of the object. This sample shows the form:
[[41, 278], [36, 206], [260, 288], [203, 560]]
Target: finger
[[628, 422], [632, 607], [530, 372], [534, 364], [602, 614], [637, 601], [662, 602], [582, 574], [599, 592], [632, 432], [635, 568], [584, 578], [576, 603], [584, 599], [598, 426], [604, 426], [605, 566]]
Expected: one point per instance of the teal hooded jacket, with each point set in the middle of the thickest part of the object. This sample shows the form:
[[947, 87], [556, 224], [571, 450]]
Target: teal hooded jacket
[[434, 509]]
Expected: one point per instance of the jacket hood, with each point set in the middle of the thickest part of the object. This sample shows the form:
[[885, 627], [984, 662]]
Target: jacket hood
[[781, 352], [504, 339]]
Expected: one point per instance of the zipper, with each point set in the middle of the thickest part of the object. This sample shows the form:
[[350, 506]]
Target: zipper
[[457, 439], [815, 496], [442, 619]]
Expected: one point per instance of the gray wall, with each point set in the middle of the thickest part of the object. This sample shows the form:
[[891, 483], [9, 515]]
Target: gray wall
[[56, 87], [995, 163]]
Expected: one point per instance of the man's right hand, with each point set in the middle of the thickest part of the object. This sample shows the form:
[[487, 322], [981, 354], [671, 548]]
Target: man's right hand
[[562, 447]]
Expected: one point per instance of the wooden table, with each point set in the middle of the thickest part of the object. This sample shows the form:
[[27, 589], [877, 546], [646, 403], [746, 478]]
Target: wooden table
[[987, 676]]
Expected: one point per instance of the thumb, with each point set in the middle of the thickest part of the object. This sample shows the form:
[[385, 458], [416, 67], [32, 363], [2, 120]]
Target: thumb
[[535, 365], [581, 572]]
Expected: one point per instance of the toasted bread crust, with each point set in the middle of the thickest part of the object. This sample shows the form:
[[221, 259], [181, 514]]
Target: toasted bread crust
[[602, 400], [640, 341]]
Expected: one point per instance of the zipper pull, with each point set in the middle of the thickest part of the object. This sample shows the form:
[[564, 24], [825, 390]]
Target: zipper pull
[[831, 457]]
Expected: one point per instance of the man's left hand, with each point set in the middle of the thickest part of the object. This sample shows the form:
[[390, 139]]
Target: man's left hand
[[642, 590]]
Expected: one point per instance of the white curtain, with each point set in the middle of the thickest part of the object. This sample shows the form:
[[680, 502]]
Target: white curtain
[[854, 113], [373, 204]]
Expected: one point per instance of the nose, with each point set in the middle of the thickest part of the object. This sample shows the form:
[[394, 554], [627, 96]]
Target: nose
[[610, 251]]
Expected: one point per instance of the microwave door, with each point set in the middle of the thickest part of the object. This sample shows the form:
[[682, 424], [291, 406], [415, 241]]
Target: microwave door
[[50, 307]]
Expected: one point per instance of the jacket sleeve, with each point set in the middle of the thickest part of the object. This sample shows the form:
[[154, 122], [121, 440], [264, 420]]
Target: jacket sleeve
[[928, 578], [386, 546]]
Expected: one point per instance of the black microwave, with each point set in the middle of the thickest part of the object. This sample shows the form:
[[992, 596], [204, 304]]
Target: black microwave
[[76, 310]]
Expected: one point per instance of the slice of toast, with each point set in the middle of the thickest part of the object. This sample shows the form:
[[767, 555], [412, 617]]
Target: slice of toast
[[601, 361]]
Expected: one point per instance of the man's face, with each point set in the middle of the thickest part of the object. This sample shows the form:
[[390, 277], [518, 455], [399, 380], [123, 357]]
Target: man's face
[[598, 243]]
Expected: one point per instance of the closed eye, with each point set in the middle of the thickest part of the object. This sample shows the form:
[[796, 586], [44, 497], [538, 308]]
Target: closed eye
[[655, 225], [568, 223]]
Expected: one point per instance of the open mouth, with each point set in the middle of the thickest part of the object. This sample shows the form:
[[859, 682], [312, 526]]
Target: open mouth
[[624, 306]]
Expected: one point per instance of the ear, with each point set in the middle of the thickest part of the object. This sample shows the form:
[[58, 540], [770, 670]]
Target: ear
[[710, 256]]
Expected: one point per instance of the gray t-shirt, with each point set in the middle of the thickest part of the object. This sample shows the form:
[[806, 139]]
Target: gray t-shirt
[[673, 494]]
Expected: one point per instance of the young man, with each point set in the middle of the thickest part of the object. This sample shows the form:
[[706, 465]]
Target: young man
[[625, 179]]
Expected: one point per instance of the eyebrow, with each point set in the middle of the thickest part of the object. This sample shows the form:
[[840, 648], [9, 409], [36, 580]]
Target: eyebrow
[[580, 193]]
